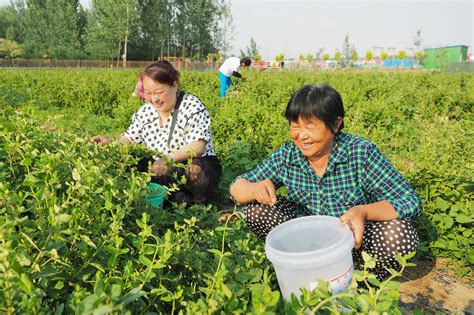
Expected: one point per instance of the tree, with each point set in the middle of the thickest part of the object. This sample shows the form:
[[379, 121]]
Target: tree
[[347, 50], [337, 55], [383, 55], [12, 20], [301, 57], [369, 55], [309, 57], [10, 49], [224, 32], [251, 51], [325, 57], [110, 26], [257, 57], [401, 54], [156, 27], [53, 29], [420, 55], [354, 55], [417, 40], [280, 57], [319, 53]]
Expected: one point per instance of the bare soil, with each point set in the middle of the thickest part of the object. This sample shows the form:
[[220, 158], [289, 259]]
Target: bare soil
[[432, 287]]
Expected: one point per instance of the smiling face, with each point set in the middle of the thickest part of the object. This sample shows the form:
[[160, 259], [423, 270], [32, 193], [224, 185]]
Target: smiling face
[[161, 96], [312, 137]]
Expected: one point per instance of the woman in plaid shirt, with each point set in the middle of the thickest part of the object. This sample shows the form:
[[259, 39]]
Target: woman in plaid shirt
[[328, 172]]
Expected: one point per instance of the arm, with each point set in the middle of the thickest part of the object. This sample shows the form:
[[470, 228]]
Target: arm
[[396, 199], [190, 150], [245, 191], [259, 183], [102, 140], [236, 74]]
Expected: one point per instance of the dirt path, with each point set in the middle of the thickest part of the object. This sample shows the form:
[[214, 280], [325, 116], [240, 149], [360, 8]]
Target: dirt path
[[432, 287]]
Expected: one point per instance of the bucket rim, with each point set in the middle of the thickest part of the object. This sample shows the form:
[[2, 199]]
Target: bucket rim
[[344, 244]]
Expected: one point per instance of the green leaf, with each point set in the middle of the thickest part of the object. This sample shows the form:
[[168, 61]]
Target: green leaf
[[462, 218], [363, 304], [144, 260], [59, 309], [75, 175], [441, 204], [116, 290], [167, 298], [26, 284], [88, 241], [59, 285], [226, 291]]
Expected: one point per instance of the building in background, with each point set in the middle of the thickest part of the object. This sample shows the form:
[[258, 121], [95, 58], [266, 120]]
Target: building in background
[[441, 57]]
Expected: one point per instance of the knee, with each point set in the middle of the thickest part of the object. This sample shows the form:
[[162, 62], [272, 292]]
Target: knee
[[395, 236], [254, 212]]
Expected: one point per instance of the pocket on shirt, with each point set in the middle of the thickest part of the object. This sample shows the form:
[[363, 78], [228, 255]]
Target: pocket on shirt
[[345, 200]]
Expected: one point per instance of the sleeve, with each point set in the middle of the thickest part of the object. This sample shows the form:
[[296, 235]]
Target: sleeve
[[268, 169], [199, 127], [134, 131], [236, 74], [383, 182]]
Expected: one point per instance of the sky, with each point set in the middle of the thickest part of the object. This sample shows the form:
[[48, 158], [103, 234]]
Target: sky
[[304, 27]]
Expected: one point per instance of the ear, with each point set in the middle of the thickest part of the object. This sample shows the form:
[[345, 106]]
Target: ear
[[339, 123]]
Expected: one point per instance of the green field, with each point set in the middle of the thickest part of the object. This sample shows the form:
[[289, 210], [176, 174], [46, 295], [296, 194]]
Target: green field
[[76, 235]]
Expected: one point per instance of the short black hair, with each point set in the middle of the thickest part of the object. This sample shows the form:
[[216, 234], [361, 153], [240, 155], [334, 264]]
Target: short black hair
[[319, 101], [246, 61]]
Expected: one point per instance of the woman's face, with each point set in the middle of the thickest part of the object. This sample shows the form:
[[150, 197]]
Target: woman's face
[[161, 96], [312, 137]]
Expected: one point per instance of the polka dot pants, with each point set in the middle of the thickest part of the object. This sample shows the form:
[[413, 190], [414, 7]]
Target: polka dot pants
[[381, 240]]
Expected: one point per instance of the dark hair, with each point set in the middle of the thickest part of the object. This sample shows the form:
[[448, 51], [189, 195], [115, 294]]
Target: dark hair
[[246, 61], [161, 71], [316, 101]]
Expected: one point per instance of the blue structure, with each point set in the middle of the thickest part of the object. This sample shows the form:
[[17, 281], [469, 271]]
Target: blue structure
[[400, 63]]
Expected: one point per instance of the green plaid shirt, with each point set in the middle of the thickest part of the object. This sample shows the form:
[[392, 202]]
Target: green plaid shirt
[[356, 174]]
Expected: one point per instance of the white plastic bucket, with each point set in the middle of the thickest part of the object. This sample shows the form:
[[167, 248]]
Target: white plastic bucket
[[306, 249]]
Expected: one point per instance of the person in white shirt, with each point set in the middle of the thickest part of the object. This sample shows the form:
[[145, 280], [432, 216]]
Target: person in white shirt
[[177, 126], [230, 68]]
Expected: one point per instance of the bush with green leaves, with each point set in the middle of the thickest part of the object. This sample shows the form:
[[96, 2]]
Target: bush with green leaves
[[77, 236]]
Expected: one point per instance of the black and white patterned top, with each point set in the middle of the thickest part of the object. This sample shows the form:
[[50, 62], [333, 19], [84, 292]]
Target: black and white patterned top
[[192, 124]]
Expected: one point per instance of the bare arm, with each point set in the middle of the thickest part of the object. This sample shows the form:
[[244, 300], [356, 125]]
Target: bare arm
[[244, 191], [193, 149], [358, 215]]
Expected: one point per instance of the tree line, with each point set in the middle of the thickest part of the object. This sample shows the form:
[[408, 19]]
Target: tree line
[[115, 29]]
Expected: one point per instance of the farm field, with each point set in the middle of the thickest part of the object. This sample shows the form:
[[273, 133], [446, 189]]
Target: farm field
[[76, 235]]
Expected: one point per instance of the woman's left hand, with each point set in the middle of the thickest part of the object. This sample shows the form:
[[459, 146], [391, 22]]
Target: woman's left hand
[[159, 167], [355, 217]]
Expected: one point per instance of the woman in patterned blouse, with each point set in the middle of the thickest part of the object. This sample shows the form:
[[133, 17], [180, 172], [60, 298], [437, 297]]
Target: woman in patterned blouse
[[328, 172], [178, 127]]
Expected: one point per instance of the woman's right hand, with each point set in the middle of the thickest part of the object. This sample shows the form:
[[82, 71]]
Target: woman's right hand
[[264, 192], [100, 140]]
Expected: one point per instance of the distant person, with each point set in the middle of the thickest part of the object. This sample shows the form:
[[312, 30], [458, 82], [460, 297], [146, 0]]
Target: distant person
[[230, 68], [138, 91], [177, 126]]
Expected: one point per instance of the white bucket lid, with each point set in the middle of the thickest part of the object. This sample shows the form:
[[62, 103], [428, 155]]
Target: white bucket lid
[[341, 246]]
